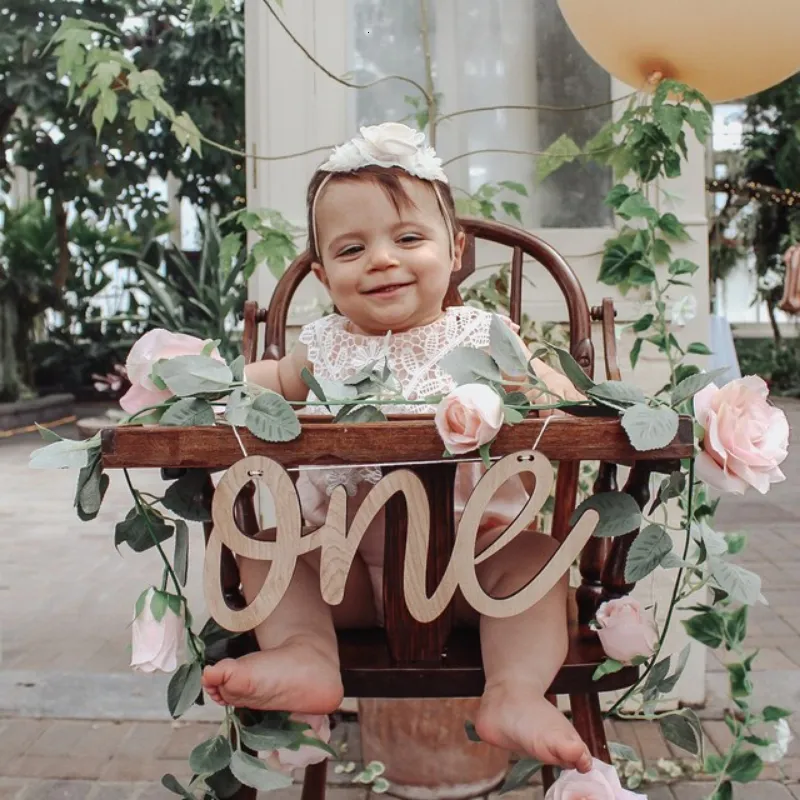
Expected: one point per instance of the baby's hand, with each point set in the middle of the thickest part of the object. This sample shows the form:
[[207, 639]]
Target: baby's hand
[[558, 387]]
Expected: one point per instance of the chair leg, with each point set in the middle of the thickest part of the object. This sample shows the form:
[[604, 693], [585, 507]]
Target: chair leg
[[588, 721], [314, 781]]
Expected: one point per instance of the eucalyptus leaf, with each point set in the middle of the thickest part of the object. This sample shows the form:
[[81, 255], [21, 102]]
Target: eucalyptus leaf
[[184, 689], [469, 365], [646, 552], [253, 772], [237, 368], [690, 386], [187, 496], [520, 774], [171, 783], [238, 407], [187, 375], [189, 411], [607, 667], [506, 348], [211, 756], [366, 413], [623, 751], [314, 385], [272, 419], [619, 513], [650, 428], [92, 487], [264, 737]]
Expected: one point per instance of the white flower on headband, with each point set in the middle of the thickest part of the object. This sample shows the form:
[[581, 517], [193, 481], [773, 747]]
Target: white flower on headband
[[391, 144]]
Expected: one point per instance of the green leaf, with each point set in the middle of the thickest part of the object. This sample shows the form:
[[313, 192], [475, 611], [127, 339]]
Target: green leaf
[[313, 384], [635, 351], [142, 531], [623, 752], [189, 411], [63, 454], [650, 428], [159, 603], [513, 186], [745, 767], [92, 486], [647, 550], [636, 206], [690, 386], [507, 349], [184, 689], [618, 195], [643, 323], [186, 496], [673, 227], [619, 513], [670, 119], [662, 251], [683, 729], [736, 626], [187, 133], [513, 210], [607, 667], [655, 677], [252, 772], [142, 112], [708, 628], [211, 756], [520, 773], [617, 263], [272, 419], [469, 365], [701, 124], [668, 684], [573, 370], [562, 151], [171, 783], [265, 736], [224, 784], [774, 713], [237, 368], [682, 266], [238, 406], [187, 375], [617, 394], [181, 561], [741, 585], [361, 414]]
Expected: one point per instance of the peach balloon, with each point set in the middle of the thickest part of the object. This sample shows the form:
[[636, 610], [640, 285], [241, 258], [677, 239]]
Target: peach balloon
[[726, 49]]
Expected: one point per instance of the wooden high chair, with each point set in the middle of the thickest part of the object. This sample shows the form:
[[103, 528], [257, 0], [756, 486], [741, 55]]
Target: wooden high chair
[[407, 658]]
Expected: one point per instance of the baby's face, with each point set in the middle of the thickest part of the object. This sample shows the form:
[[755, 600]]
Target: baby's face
[[385, 271]]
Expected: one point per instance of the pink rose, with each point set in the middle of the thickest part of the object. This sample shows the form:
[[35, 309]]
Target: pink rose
[[285, 760], [625, 631], [600, 783], [469, 417], [144, 355], [745, 436], [155, 642]]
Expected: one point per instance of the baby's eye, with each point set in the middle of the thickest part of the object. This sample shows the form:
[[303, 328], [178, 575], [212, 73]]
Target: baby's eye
[[407, 238], [350, 250]]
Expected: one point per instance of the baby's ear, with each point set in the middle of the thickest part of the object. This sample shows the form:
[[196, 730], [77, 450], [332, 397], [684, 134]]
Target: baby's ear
[[319, 273], [458, 250]]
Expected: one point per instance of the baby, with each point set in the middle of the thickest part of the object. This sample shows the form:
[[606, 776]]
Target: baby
[[385, 240]]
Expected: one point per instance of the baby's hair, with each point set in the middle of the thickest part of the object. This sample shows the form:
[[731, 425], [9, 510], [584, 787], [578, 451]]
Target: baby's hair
[[389, 179]]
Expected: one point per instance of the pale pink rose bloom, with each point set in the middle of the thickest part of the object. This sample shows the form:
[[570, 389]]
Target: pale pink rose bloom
[[600, 783], [285, 760], [625, 630], [155, 643], [745, 439], [469, 417], [152, 347]]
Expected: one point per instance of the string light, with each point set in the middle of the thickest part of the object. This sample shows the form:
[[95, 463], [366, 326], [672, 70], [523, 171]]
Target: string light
[[759, 191]]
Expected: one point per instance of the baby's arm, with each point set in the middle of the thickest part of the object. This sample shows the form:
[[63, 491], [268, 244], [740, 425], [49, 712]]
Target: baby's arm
[[282, 376]]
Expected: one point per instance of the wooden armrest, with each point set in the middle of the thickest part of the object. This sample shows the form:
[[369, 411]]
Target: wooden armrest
[[392, 442], [606, 314]]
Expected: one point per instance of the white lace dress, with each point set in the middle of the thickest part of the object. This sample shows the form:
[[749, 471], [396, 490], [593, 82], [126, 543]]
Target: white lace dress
[[413, 357]]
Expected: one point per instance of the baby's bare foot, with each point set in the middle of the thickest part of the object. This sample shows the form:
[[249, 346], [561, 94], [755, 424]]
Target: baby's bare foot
[[519, 718], [295, 677]]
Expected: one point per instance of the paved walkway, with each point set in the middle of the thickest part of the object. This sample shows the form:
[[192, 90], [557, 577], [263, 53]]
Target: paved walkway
[[75, 723]]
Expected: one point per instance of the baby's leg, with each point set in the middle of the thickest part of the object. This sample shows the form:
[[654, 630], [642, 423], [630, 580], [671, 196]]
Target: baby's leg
[[297, 666], [521, 656]]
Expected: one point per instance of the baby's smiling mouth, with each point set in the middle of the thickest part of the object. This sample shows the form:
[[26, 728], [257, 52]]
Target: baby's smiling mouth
[[387, 288]]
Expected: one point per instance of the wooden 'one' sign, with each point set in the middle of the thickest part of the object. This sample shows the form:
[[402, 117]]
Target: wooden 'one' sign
[[339, 544]]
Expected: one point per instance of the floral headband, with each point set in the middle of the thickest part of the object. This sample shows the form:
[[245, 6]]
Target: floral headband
[[390, 144]]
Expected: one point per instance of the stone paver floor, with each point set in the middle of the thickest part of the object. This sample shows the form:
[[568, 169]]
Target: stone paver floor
[[64, 591]]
